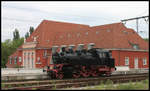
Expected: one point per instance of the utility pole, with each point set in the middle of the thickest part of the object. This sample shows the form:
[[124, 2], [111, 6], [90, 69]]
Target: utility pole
[[137, 18]]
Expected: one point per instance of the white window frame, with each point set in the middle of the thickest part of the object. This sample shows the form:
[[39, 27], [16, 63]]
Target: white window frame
[[108, 30], [86, 33], [69, 35], [126, 61], [144, 61], [78, 34], [45, 53], [19, 59], [136, 46], [38, 60], [61, 36], [10, 60], [15, 60], [97, 32]]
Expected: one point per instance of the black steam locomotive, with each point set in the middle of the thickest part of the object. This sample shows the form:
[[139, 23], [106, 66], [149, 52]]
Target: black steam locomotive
[[81, 62]]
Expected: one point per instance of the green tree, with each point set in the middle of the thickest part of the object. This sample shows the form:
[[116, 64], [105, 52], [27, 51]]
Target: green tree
[[146, 39], [27, 35], [31, 30], [16, 34], [8, 47]]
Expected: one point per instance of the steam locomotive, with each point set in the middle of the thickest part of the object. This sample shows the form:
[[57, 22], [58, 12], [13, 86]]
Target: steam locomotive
[[81, 62]]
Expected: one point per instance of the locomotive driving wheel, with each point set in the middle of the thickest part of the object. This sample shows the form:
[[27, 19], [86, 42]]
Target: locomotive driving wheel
[[85, 74], [76, 75], [60, 75], [94, 74]]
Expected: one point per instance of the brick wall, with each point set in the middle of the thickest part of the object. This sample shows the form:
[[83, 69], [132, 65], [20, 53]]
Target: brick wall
[[120, 58]]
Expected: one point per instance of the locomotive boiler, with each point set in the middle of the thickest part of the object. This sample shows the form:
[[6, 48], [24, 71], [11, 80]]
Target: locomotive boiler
[[80, 62]]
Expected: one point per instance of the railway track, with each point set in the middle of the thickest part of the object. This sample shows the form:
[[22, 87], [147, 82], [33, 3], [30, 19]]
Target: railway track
[[81, 82]]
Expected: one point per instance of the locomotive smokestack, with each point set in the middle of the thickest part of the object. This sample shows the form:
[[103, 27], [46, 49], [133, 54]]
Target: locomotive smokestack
[[62, 48], [80, 47], [54, 49], [90, 46]]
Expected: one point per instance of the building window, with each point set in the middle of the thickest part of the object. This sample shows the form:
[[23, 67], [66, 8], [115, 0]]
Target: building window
[[48, 41], [125, 32], [86, 33], [126, 60], [78, 34], [108, 30], [97, 32], [45, 53], [61, 36], [10, 60], [38, 60], [69, 35], [15, 61], [144, 61], [135, 46], [19, 59]]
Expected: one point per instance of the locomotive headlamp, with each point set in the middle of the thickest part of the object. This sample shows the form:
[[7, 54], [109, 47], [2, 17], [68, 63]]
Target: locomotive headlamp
[[80, 47], [54, 49], [90, 46]]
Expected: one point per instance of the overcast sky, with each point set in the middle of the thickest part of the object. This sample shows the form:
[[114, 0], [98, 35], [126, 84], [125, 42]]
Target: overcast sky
[[22, 15]]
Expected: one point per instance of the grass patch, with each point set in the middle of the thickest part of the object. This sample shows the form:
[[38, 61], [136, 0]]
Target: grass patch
[[34, 88], [142, 85], [3, 85], [9, 86]]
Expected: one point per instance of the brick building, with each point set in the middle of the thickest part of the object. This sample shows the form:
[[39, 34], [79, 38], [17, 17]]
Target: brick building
[[127, 47]]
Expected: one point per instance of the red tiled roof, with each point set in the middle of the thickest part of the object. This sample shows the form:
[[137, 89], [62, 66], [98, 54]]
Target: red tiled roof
[[115, 35]]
